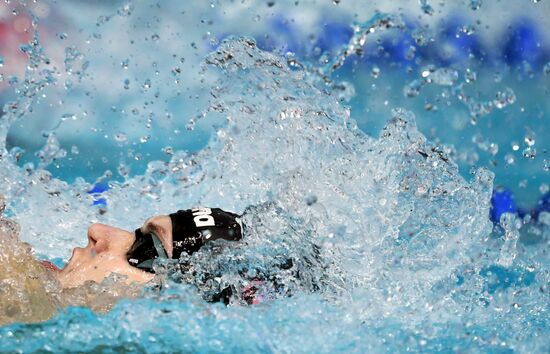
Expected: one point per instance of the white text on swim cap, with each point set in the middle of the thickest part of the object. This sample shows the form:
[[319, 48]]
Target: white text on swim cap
[[202, 217]]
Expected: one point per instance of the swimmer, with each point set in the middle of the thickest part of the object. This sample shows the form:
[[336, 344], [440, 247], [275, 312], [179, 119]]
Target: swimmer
[[131, 254], [32, 291]]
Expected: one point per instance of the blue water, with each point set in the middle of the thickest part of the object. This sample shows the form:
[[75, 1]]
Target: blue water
[[420, 165]]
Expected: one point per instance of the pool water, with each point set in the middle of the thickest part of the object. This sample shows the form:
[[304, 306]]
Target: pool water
[[399, 157]]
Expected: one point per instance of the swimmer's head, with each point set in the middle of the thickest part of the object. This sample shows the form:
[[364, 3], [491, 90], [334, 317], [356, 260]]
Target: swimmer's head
[[131, 254]]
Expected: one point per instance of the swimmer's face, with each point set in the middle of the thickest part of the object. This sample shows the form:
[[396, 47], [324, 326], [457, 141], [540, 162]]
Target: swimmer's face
[[106, 253]]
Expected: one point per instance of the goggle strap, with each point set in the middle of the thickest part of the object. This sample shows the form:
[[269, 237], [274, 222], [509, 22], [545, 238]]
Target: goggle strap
[[158, 245]]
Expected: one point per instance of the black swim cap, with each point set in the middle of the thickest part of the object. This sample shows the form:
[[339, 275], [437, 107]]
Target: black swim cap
[[191, 229]]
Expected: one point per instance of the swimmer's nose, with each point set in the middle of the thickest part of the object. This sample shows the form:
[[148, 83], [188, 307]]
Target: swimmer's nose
[[101, 236]]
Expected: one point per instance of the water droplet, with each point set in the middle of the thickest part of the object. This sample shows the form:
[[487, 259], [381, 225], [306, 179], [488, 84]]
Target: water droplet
[[530, 153], [336, 2], [529, 140], [546, 69], [546, 165], [125, 10], [155, 37], [144, 139], [1, 61], [470, 76], [121, 137], [126, 84], [509, 159], [410, 52], [422, 36], [124, 63], [12, 80], [168, 150], [412, 89], [467, 30], [493, 149], [515, 146], [475, 4], [430, 107], [66, 116], [257, 18], [443, 76], [375, 72], [426, 7], [544, 188], [75, 150], [504, 98], [147, 84], [62, 35]]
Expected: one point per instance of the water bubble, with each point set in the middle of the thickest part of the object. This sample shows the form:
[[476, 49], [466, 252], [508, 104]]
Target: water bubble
[[126, 84], [144, 139], [155, 37], [515, 146], [62, 35], [544, 188], [75, 150], [124, 63], [257, 18], [546, 165], [546, 69], [336, 2], [1, 61]]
